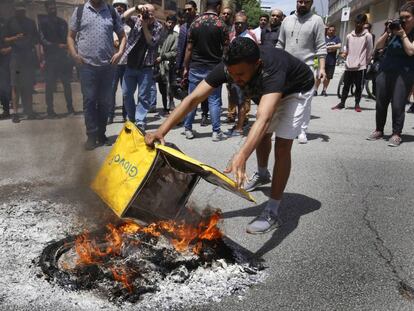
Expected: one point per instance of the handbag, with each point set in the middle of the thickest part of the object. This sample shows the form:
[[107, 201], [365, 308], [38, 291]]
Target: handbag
[[372, 70]]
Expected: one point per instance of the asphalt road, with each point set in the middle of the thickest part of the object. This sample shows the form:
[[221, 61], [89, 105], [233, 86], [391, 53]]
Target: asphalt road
[[347, 239]]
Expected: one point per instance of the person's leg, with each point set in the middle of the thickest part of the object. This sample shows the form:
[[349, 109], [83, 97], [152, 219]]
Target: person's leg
[[348, 80], [193, 80], [385, 86], [145, 89], [65, 75], [162, 86], [214, 105], [359, 83], [153, 99], [129, 86], [317, 83], [106, 77], [281, 169], [231, 109], [204, 108], [114, 87], [89, 78], [402, 89], [122, 69], [326, 84], [50, 79], [26, 93]]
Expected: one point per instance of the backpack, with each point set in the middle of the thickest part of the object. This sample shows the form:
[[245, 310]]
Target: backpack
[[79, 14]]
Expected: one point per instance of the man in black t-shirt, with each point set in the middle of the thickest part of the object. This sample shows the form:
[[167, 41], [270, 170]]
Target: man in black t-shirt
[[283, 85]]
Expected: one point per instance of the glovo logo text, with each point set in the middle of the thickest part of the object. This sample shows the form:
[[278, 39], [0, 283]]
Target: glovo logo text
[[128, 167]]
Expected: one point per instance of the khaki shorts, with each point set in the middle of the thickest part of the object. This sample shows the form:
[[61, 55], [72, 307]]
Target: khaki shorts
[[293, 111]]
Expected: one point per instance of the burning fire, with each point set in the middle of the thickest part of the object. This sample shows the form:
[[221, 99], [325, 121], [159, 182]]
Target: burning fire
[[183, 236]]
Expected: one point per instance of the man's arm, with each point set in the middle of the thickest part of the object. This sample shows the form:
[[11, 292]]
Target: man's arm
[[370, 48], [71, 47], [265, 111], [187, 59], [202, 91], [117, 56], [320, 47], [282, 37]]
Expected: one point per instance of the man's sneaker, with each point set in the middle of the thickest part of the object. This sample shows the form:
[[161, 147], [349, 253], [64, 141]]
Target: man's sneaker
[[338, 107], [257, 181], [152, 110], [51, 114], [103, 141], [302, 138], [204, 121], [315, 93], [15, 118], [394, 141], [218, 136], [411, 109], [189, 134], [324, 93], [358, 108], [90, 143], [375, 135], [263, 223], [234, 133], [5, 115]]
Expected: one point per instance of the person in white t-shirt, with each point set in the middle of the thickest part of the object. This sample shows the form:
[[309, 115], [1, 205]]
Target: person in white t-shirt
[[263, 24]]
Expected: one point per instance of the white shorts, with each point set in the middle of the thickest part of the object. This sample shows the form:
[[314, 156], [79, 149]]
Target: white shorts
[[293, 111]]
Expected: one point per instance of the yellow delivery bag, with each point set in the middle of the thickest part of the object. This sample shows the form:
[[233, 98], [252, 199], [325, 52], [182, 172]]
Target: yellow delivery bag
[[151, 184]]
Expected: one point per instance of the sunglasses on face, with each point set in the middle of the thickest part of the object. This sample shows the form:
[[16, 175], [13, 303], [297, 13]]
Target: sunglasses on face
[[188, 10]]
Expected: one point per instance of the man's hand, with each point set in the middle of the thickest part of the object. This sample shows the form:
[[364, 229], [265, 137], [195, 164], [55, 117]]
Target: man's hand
[[18, 37], [158, 60], [185, 73], [237, 166], [399, 32], [322, 74], [115, 58], [5, 51], [78, 59], [152, 138]]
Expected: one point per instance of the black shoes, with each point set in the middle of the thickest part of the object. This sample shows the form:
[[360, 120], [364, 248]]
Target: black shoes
[[90, 143], [204, 121], [324, 94], [15, 118]]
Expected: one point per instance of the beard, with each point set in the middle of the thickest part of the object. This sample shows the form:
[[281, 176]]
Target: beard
[[303, 11]]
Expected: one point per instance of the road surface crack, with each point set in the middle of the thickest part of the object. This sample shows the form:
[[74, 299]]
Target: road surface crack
[[386, 254]]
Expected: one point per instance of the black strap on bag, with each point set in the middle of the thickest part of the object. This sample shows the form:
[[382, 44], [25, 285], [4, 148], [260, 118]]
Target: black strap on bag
[[79, 14]]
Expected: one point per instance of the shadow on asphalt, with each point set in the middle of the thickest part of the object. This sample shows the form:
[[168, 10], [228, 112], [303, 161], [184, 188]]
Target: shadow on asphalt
[[293, 207], [314, 136]]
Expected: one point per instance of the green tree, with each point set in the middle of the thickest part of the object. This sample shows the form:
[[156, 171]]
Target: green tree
[[252, 9]]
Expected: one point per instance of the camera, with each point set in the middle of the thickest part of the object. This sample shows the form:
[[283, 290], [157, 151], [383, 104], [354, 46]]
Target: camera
[[145, 15], [395, 24]]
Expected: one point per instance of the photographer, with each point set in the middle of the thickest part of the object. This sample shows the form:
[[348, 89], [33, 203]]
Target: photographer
[[396, 75], [140, 55]]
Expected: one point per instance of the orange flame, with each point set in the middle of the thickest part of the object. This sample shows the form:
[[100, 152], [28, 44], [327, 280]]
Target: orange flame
[[182, 236], [120, 274]]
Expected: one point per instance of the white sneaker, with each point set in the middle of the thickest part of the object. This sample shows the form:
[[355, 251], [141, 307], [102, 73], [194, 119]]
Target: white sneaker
[[263, 223], [218, 136], [257, 181], [189, 134], [302, 139]]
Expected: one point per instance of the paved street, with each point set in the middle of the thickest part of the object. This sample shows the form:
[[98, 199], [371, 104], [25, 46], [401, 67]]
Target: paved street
[[348, 236]]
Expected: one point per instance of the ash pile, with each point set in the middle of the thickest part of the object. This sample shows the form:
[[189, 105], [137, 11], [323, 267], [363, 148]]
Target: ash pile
[[164, 265]]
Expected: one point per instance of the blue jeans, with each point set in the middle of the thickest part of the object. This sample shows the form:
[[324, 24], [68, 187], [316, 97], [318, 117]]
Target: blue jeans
[[96, 89], [214, 100], [153, 95], [118, 78], [141, 78]]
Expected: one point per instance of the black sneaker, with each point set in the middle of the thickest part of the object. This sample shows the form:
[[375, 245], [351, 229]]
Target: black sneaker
[[411, 109], [315, 93], [90, 143], [204, 121], [338, 107], [324, 94], [52, 114], [15, 118], [32, 116], [103, 141], [5, 115]]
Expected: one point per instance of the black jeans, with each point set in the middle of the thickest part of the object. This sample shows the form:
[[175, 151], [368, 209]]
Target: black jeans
[[356, 78], [5, 88], [58, 69], [394, 88]]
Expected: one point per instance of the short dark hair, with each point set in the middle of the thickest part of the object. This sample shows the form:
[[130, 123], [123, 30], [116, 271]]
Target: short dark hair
[[331, 26], [50, 2], [264, 15], [241, 50], [192, 3], [361, 19], [213, 3], [172, 18]]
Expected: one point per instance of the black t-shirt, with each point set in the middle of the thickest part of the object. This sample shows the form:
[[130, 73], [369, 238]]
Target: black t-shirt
[[137, 54], [279, 73], [208, 34]]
